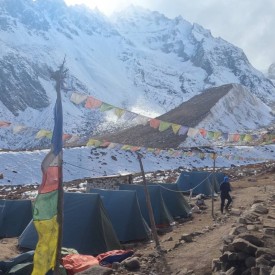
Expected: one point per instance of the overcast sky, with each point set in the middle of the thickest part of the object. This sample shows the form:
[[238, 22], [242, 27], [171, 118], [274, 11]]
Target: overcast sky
[[248, 24]]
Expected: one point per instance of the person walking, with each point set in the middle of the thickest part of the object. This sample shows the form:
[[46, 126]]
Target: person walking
[[225, 188]]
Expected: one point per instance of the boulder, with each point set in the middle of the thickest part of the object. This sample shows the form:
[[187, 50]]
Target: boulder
[[250, 262], [259, 208], [269, 231], [242, 245], [186, 237], [238, 230], [216, 265], [131, 263], [265, 270], [265, 251], [228, 239], [252, 239], [262, 261]]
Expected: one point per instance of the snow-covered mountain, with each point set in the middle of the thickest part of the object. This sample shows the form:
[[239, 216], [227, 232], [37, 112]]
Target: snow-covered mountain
[[138, 59], [271, 72]]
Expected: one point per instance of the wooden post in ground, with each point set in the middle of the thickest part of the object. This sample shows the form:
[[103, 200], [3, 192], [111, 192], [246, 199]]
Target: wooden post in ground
[[59, 77], [214, 168], [149, 205]]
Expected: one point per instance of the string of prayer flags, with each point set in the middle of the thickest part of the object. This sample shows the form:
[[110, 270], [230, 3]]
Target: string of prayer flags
[[162, 126]]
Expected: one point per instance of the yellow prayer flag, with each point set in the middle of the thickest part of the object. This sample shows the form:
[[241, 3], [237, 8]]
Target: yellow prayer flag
[[45, 252], [175, 128], [43, 133], [119, 112]]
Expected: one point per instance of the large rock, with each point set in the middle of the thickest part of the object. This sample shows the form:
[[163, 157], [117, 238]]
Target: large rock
[[228, 239], [265, 251], [259, 208], [252, 239], [244, 246], [262, 261], [238, 230], [216, 265], [131, 263], [233, 271], [229, 257], [187, 238], [250, 262]]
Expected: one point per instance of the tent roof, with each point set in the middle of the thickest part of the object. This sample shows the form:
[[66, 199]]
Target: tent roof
[[198, 181], [174, 199], [87, 227], [125, 215], [14, 217], [162, 216]]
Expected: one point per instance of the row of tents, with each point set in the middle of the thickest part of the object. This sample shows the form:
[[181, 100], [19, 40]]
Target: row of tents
[[100, 221]]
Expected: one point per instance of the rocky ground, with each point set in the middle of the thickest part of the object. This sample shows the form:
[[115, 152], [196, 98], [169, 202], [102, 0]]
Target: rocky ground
[[239, 242]]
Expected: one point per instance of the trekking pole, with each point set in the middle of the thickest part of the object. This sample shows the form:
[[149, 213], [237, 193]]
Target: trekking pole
[[214, 168], [149, 205]]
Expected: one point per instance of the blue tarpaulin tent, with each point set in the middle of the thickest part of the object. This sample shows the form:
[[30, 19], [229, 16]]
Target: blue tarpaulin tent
[[14, 217], [217, 179], [198, 181], [162, 216], [125, 215], [174, 200], [86, 228]]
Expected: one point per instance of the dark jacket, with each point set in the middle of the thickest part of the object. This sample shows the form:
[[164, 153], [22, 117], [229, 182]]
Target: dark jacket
[[225, 187]]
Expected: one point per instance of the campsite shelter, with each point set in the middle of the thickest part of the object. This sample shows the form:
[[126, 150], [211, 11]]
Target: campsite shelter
[[217, 179], [125, 215], [86, 228], [197, 181], [14, 217], [162, 216], [174, 200]]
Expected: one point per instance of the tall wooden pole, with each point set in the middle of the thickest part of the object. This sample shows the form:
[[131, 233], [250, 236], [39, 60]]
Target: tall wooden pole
[[149, 205], [214, 168], [59, 78]]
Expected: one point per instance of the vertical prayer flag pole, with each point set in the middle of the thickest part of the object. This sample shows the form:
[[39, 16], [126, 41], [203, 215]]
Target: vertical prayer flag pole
[[149, 205], [48, 206], [214, 170]]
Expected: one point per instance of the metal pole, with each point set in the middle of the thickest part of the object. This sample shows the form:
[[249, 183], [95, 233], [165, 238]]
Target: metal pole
[[149, 205]]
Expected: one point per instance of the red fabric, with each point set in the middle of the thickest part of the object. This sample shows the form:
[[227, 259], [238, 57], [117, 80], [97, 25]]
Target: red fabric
[[154, 123], [66, 136], [50, 180], [75, 263], [121, 255], [92, 103]]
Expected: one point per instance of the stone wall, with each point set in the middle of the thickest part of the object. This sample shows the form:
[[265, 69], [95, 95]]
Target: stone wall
[[108, 182], [250, 246]]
